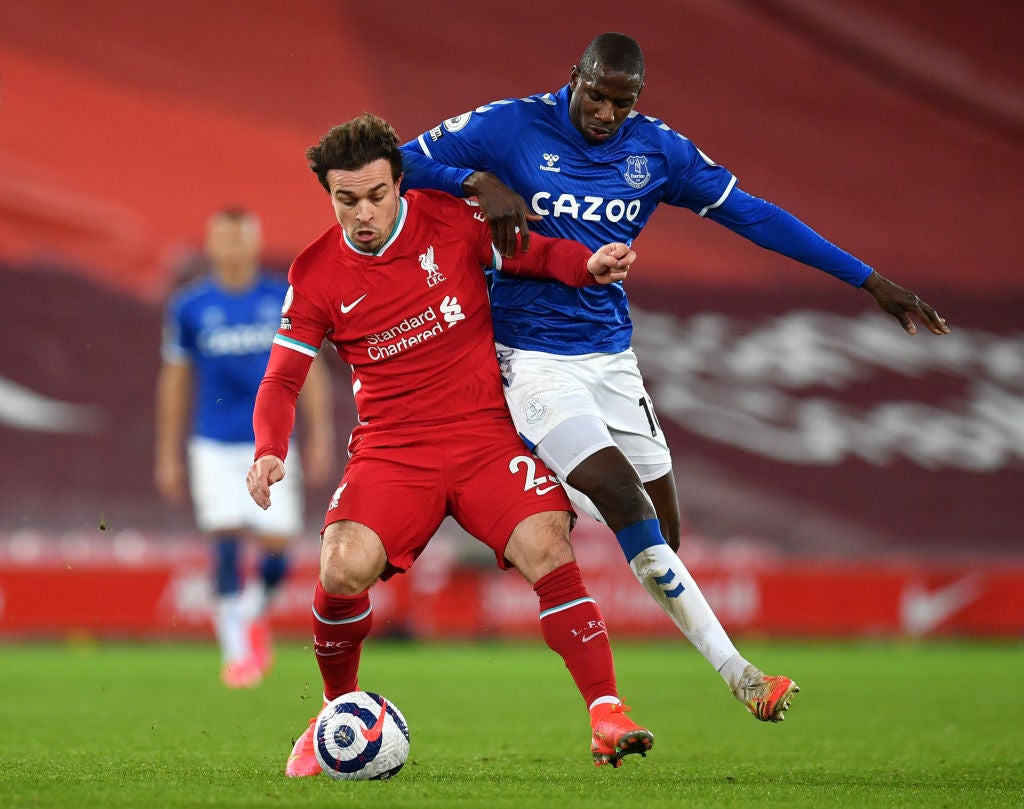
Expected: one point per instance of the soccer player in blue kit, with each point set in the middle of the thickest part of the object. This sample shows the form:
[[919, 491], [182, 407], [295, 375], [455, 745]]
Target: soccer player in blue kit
[[218, 330], [584, 165]]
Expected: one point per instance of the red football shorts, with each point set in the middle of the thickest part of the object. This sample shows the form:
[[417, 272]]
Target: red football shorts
[[403, 483]]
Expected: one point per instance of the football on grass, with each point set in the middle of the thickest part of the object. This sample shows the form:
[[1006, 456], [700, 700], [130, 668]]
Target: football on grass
[[361, 736]]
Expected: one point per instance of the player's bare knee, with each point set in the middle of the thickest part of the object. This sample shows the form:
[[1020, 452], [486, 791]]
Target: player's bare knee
[[621, 502], [338, 575], [352, 558], [540, 544], [340, 581], [551, 556], [612, 484]]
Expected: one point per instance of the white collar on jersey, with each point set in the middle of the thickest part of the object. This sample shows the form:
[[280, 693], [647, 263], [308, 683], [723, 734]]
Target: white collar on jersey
[[403, 214]]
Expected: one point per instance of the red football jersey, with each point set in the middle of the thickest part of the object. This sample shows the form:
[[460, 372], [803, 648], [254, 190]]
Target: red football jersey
[[412, 319]]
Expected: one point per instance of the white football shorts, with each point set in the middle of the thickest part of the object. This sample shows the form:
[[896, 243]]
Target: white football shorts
[[582, 392], [217, 473]]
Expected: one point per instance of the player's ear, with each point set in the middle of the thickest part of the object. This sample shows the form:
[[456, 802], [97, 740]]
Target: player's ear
[[574, 77]]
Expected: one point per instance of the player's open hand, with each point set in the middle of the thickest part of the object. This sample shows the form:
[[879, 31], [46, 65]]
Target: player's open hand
[[504, 209], [267, 471], [902, 303], [611, 263]]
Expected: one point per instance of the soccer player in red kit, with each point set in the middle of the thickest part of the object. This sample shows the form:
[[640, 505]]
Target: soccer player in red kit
[[398, 287]]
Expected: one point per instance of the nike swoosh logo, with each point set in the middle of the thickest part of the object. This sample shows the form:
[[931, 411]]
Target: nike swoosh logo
[[591, 637], [345, 309], [373, 733], [922, 611], [546, 489]]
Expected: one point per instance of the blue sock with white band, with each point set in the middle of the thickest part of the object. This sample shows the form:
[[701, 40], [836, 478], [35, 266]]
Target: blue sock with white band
[[666, 579]]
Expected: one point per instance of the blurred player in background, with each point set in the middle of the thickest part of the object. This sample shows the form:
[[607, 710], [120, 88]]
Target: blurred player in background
[[217, 336], [594, 170], [398, 287]]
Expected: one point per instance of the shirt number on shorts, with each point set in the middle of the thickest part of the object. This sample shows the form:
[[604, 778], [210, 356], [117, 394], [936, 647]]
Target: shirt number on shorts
[[542, 485], [651, 419]]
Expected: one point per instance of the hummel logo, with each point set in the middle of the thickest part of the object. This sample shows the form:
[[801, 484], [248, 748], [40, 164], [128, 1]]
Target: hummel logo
[[550, 160], [371, 734], [346, 308]]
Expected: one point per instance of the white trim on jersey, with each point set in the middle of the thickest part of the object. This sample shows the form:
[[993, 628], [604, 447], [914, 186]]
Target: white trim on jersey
[[721, 199], [424, 147], [403, 214], [295, 345]]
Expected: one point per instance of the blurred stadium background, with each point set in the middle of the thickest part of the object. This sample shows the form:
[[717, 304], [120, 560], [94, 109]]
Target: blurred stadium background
[[838, 477]]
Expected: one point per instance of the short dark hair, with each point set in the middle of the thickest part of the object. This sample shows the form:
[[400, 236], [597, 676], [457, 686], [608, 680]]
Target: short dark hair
[[355, 144], [615, 53]]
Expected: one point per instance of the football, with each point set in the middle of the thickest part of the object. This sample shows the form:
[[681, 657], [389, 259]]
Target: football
[[360, 736]]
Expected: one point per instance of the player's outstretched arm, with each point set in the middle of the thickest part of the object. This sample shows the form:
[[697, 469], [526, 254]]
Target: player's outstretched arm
[[902, 303], [504, 210], [611, 262], [265, 472]]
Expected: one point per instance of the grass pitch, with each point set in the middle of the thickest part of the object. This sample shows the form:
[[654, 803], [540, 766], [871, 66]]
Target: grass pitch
[[500, 725]]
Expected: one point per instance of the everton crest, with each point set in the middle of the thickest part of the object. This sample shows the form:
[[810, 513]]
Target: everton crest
[[637, 174]]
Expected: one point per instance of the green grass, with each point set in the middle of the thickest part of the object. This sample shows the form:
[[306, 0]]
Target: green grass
[[500, 725]]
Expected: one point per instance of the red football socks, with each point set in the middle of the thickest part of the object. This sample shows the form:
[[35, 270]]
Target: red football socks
[[340, 623], [574, 628]]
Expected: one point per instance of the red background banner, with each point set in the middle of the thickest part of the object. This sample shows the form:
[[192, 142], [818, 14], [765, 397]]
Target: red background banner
[[804, 425], [139, 586]]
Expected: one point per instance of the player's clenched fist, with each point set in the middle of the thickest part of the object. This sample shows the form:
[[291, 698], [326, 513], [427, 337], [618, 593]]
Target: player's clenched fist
[[267, 471], [611, 263]]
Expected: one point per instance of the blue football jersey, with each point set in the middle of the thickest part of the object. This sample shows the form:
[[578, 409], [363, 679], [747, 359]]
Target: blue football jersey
[[225, 335], [593, 193]]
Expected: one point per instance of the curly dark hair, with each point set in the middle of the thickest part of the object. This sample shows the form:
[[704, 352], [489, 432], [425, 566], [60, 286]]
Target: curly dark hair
[[355, 144]]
